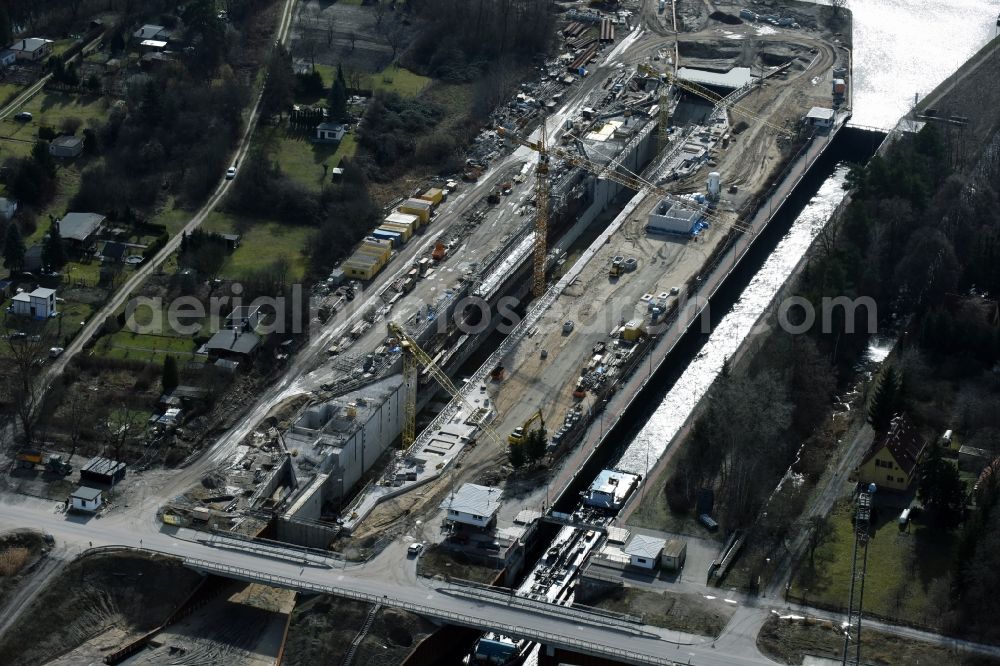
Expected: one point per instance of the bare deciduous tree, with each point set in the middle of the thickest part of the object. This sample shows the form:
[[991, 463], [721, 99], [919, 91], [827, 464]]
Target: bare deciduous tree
[[26, 351]]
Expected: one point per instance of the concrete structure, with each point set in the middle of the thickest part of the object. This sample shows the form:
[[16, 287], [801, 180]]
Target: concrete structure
[[104, 471], [668, 218], [38, 304], [735, 78], [673, 555], [66, 146], [644, 551], [891, 461], [32, 49], [80, 229], [611, 489], [473, 505], [339, 440], [329, 133], [86, 499], [7, 208], [820, 117]]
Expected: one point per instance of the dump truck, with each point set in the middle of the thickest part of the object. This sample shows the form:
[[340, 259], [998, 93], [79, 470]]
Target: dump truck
[[29, 458]]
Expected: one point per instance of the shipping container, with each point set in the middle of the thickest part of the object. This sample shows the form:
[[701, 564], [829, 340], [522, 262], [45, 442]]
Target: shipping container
[[434, 195]]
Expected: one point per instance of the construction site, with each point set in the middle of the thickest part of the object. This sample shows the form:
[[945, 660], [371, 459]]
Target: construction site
[[510, 313]]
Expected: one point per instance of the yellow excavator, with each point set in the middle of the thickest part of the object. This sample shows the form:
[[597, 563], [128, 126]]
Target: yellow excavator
[[521, 432]]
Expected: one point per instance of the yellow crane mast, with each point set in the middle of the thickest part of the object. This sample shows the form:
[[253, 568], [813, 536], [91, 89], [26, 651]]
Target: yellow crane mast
[[413, 359]]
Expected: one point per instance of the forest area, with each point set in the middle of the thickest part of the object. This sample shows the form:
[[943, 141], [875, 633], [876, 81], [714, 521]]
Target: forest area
[[922, 239]]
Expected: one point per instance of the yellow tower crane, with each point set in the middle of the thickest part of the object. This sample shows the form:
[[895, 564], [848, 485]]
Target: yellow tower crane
[[413, 359], [630, 180], [663, 115], [541, 249]]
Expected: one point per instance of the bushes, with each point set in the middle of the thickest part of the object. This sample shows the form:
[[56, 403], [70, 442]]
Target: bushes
[[392, 125]]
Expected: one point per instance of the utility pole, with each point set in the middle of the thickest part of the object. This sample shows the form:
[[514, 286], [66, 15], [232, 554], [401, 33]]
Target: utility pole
[[862, 525]]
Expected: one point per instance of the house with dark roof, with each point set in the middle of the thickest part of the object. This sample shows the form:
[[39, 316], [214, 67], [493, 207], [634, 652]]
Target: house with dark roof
[[67, 146], [32, 49], [235, 345], [80, 229], [892, 460]]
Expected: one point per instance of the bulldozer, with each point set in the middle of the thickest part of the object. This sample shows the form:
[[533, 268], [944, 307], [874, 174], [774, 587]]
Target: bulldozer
[[520, 433]]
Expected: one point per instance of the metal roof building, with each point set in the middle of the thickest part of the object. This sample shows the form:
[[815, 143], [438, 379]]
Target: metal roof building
[[473, 504], [103, 470]]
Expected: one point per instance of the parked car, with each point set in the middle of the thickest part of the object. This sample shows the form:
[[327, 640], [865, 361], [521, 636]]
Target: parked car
[[231, 173], [414, 549], [24, 117], [568, 326], [56, 352]]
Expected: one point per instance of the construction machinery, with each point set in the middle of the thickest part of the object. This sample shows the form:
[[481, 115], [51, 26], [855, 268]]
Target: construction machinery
[[667, 79], [29, 458], [663, 107], [521, 432], [630, 180], [413, 359]]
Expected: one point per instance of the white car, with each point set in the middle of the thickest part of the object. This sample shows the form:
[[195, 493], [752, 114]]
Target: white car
[[56, 352], [231, 173], [414, 549]]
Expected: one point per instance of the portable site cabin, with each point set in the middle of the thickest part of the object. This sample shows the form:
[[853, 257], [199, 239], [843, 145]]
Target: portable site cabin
[[434, 195], [419, 207], [405, 219], [85, 499]]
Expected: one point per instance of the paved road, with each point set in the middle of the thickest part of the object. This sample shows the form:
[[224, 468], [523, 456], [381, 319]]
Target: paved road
[[572, 629], [148, 267]]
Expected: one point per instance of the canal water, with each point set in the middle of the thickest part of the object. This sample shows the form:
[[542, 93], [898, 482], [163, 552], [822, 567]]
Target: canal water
[[907, 47], [901, 47]]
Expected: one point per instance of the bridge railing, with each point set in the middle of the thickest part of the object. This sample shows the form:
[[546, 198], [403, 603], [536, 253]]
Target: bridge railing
[[463, 619]]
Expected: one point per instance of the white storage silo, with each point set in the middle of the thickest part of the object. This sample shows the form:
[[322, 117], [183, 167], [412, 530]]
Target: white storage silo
[[714, 185]]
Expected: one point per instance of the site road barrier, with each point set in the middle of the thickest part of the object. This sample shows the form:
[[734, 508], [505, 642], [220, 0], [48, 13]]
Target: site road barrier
[[461, 619]]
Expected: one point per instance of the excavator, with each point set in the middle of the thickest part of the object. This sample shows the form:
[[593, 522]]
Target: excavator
[[520, 433]]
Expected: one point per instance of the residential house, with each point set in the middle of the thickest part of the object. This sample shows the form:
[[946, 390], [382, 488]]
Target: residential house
[[7, 58], [329, 132], [150, 31], [234, 345], [891, 461], [473, 505], [32, 49], [66, 146], [79, 230], [86, 499], [7, 208], [38, 304]]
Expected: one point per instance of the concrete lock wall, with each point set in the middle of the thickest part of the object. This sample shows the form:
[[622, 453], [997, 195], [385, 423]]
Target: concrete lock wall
[[360, 451]]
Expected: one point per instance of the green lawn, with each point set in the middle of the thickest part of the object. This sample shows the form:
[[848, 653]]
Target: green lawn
[[56, 331], [261, 243], [146, 347], [392, 79], [9, 91], [172, 218], [907, 571], [50, 108], [302, 159]]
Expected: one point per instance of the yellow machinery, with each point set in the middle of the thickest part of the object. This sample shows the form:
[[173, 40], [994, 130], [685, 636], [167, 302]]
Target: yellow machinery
[[521, 432], [413, 358], [663, 116]]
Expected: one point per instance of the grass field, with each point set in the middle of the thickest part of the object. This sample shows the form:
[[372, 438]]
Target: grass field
[[50, 108], [172, 218], [146, 347], [907, 571], [9, 91], [261, 243], [302, 159], [670, 610], [789, 642], [391, 79]]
